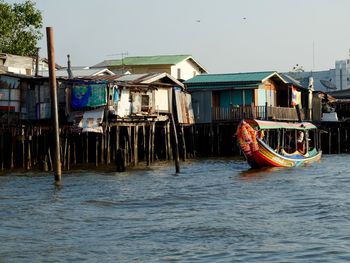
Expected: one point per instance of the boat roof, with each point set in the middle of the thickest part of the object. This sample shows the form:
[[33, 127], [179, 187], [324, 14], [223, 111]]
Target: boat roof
[[264, 125]]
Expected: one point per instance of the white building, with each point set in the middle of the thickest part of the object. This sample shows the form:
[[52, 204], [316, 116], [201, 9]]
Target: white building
[[342, 74]]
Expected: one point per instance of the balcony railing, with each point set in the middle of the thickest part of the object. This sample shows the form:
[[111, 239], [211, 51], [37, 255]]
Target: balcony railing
[[236, 113]]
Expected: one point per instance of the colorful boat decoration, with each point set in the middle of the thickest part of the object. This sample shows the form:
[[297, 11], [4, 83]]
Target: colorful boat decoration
[[292, 143]]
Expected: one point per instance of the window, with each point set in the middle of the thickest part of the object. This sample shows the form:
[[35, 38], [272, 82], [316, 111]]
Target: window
[[178, 73], [145, 103]]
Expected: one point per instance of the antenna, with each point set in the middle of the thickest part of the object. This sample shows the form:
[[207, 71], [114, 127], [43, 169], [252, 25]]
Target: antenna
[[122, 55], [313, 55]]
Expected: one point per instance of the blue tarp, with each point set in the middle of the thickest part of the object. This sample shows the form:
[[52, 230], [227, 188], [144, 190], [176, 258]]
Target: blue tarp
[[89, 95]]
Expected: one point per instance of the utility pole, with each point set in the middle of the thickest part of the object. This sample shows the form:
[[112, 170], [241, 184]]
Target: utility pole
[[54, 107]]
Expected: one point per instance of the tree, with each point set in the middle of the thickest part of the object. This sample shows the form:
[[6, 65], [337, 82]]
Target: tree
[[20, 26]]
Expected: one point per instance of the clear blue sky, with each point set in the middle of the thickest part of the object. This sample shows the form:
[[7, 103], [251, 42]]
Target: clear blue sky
[[231, 36]]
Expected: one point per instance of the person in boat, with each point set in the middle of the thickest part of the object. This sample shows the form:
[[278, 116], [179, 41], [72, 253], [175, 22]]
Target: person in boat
[[261, 134], [301, 142]]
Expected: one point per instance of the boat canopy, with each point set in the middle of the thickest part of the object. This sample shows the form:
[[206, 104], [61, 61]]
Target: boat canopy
[[265, 125]]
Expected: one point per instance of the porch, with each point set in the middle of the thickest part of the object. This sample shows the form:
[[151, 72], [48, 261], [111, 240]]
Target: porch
[[237, 113]]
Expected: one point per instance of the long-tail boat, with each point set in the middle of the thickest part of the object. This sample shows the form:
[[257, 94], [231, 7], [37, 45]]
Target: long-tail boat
[[278, 144]]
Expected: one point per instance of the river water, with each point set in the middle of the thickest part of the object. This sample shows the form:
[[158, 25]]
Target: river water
[[215, 210]]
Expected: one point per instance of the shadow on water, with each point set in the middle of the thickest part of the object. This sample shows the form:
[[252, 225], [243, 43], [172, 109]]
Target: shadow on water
[[258, 173]]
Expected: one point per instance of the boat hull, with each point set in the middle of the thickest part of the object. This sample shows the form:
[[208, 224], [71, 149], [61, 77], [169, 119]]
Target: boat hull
[[266, 157], [259, 154]]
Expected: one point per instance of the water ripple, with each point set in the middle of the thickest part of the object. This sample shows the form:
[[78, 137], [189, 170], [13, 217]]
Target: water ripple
[[216, 210]]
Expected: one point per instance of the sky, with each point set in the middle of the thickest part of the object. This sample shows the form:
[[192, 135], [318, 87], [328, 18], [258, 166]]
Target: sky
[[224, 36]]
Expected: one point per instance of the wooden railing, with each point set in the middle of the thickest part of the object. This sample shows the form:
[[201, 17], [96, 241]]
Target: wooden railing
[[236, 113]]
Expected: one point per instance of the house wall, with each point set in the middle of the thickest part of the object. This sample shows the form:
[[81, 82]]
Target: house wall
[[236, 97], [9, 94], [267, 93], [137, 101], [184, 108], [202, 106], [123, 109], [18, 64], [143, 69], [187, 70], [161, 100]]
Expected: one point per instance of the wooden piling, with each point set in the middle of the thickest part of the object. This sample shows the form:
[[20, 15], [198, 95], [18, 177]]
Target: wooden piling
[[54, 105], [68, 154], [329, 141], [96, 149], [102, 146], [13, 142], [339, 150], [148, 146], [183, 142], [346, 140], [176, 152], [136, 142], [87, 146], [152, 141], [2, 150], [108, 145]]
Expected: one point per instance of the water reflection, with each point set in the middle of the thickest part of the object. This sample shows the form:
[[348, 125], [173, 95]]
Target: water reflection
[[258, 173]]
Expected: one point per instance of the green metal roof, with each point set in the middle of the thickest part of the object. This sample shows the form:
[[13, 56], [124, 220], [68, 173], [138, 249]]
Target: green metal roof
[[223, 86], [227, 78], [263, 125], [144, 60]]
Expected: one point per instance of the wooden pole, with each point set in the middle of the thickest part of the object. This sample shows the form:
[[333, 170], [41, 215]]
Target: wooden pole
[[148, 146], [96, 149], [183, 143], [218, 138], [329, 141], [2, 150], [130, 159], [346, 140], [68, 153], [74, 150], [165, 142], [117, 131], [297, 108], [87, 147], [13, 142], [108, 145], [176, 157], [144, 141], [194, 142], [54, 106], [136, 142], [152, 141], [339, 150]]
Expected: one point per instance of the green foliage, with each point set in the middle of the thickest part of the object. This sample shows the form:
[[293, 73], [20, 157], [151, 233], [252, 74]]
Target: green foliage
[[20, 26]]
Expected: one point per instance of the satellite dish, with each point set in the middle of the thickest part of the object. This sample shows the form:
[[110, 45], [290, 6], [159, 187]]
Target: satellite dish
[[328, 84]]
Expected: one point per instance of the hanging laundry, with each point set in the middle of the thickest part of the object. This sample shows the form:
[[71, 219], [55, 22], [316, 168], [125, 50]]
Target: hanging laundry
[[294, 96], [116, 95], [92, 95]]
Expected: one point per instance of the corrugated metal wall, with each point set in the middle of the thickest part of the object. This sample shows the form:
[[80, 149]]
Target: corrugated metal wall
[[202, 104]]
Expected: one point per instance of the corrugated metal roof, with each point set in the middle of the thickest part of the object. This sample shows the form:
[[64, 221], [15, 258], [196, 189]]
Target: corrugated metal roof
[[136, 79], [290, 80], [222, 87], [79, 72], [231, 77], [144, 60]]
